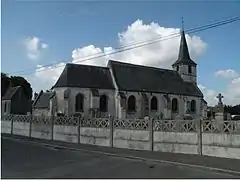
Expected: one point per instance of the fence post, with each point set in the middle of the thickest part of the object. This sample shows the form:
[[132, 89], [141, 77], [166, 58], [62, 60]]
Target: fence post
[[200, 137], [111, 123], [30, 125], [79, 129], [151, 135], [11, 124], [52, 126]]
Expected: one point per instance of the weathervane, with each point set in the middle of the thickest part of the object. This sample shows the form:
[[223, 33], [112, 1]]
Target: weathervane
[[182, 24]]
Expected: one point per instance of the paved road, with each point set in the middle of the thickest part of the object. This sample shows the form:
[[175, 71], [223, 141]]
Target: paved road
[[21, 159]]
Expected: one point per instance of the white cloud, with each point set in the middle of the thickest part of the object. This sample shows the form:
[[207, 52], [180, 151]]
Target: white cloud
[[228, 73], [231, 93], [87, 54], [44, 46], [161, 54], [33, 47], [45, 77], [209, 95]]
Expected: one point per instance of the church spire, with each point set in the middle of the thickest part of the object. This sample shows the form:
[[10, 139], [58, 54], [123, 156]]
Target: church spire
[[183, 55], [183, 50]]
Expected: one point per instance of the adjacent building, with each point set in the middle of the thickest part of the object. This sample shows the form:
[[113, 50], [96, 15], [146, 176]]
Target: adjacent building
[[16, 101], [42, 104]]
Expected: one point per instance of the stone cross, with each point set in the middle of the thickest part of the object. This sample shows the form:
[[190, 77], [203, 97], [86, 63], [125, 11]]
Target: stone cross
[[219, 98]]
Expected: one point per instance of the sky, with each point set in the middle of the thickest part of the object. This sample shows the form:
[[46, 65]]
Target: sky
[[39, 37]]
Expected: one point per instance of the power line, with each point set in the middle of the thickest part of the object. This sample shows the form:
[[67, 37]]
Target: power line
[[128, 47], [141, 43]]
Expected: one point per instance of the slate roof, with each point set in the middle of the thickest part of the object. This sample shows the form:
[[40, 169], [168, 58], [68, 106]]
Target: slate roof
[[204, 101], [183, 55], [43, 100], [85, 76], [11, 92], [130, 77]]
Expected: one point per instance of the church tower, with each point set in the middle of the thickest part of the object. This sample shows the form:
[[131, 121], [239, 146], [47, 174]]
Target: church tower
[[184, 65]]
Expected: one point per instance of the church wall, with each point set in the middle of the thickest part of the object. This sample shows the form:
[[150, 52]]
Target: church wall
[[162, 105], [118, 106], [60, 98], [138, 111], [87, 100], [72, 100], [204, 110], [114, 107], [111, 100], [123, 112], [198, 106], [139, 105], [181, 105]]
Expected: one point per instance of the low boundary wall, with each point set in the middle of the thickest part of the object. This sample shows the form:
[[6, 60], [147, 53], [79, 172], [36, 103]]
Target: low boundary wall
[[175, 136]]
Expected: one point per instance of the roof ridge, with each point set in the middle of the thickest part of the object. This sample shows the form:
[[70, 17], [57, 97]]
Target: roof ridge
[[95, 66], [138, 65]]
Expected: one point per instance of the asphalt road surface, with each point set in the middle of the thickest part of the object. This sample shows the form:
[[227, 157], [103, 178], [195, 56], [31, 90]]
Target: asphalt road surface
[[26, 160]]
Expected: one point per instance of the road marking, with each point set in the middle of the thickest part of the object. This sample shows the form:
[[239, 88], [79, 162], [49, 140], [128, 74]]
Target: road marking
[[129, 157]]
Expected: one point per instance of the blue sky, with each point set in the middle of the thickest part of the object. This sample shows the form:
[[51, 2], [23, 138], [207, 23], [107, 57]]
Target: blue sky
[[66, 25]]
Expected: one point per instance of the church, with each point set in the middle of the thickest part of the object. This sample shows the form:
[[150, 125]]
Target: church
[[126, 90]]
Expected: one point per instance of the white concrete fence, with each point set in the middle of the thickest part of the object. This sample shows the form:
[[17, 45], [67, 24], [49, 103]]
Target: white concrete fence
[[210, 138]]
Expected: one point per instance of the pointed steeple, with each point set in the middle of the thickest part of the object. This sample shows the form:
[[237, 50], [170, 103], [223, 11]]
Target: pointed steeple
[[183, 55]]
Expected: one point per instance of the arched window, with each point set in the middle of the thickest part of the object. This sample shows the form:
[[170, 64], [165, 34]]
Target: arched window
[[154, 104], [193, 106], [5, 106], [131, 103], [189, 69], [79, 102], [103, 103], [174, 105]]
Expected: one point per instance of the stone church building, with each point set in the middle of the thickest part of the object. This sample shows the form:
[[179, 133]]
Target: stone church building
[[126, 90]]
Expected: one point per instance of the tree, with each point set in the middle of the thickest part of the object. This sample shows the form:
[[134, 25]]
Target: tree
[[5, 83], [15, 81], [20, 81], [236, 109], [232, 109]]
